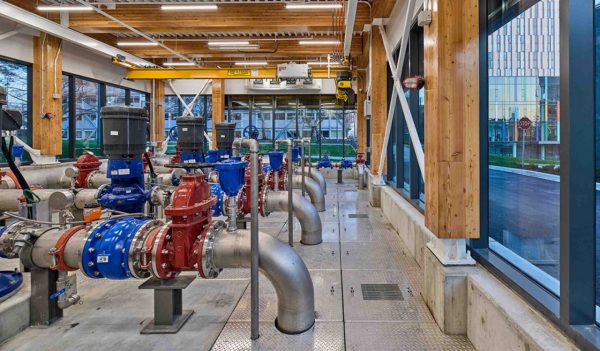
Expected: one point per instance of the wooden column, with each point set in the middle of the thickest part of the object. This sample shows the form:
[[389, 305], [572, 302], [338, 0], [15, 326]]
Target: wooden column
[[158, 105], [452, 119], [218, 106], [361, 118], [46, 111], [379, 103]]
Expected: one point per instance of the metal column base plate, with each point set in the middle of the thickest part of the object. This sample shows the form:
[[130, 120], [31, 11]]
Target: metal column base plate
[[150, 328]]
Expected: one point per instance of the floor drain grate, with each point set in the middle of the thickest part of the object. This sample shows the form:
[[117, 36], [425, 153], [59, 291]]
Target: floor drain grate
[[388, 292], [358, 215]]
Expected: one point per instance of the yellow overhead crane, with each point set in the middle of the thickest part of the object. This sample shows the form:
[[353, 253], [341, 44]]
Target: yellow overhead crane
[[134, 72]]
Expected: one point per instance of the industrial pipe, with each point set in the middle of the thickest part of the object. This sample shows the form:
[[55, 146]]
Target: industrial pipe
[[280, 263], [310, 222], [314, 191], [361, 176], [252, 145], [49, 177], [318, 177], [10, 199], [290, 174]]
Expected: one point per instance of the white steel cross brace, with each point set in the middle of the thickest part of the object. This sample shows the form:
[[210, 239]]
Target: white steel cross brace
[[398, 92]]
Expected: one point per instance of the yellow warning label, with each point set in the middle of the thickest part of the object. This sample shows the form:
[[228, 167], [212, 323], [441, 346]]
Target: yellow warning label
[[239, 72]]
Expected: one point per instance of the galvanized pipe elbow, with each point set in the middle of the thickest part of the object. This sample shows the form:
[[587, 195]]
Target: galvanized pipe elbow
[[310, 222], [279, 263], [317, 197]]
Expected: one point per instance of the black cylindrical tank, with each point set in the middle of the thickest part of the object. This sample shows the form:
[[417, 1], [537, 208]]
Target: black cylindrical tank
[[190, 131], [123, 131], [225, 135]]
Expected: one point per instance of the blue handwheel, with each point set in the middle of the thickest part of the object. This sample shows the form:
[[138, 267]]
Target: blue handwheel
[[251, 132], [173, 134]]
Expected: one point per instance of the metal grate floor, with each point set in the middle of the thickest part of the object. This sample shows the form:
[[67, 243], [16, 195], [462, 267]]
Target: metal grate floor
[[388, 292]]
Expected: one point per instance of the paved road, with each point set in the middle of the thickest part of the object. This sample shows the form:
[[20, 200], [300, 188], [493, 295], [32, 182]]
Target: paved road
[[525, 216]]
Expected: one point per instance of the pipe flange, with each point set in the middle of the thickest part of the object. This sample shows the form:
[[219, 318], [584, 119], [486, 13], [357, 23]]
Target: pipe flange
[[206, 266], [162, 236], [11, 236], [137, 248], [263, 204]]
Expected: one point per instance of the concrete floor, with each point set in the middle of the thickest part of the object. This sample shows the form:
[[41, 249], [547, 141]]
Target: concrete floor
[[359, 247]]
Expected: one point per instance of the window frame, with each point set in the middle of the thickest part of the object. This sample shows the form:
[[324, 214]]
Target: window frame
[[572, 312]]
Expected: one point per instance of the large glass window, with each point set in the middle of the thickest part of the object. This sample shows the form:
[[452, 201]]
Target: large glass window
[[309, 113], [262, 118], [524, 144], [285, 117], [87, 117], [115, 96], [15, 77], [239, 113], [137, 98], [66, 117]]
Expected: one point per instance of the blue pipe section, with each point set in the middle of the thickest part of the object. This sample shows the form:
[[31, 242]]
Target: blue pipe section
[[216, 190], [345, 164], [215, 156], [191, 157], [126, 191], [106, 250]]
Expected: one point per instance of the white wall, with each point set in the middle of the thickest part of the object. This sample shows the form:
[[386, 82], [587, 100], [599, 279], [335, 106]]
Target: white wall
[[76, 60]]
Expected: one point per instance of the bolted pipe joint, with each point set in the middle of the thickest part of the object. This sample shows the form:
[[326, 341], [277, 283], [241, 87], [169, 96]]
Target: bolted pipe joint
[[281, 265]]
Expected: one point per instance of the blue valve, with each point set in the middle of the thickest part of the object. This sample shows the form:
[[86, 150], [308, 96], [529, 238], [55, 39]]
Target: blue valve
[[231, 176], [276, 160]]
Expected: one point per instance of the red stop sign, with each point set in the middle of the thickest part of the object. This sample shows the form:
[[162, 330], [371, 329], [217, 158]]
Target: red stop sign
[[524, 123]]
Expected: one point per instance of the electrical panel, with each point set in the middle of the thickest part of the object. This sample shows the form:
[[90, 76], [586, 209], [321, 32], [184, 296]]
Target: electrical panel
[[292, 71]]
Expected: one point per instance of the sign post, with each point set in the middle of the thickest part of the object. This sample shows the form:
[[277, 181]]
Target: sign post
[[524, 124]]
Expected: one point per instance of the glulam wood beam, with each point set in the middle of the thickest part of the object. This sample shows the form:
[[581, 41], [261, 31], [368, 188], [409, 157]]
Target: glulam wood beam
[[379, 103], [218, 107]]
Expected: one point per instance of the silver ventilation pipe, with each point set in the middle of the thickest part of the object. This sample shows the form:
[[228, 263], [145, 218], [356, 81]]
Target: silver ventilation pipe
[[317, 197], [281, 265], [310, 222]]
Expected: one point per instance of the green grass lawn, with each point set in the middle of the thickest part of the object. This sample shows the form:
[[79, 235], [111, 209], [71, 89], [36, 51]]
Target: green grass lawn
[[545, 166]]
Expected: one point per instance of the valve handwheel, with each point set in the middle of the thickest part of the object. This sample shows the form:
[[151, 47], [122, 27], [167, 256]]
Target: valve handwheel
[[173, 134], [251, 132]]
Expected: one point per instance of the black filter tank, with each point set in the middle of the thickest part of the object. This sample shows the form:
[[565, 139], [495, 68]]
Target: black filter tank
[[225, 134], [124, 131], [190, 134]]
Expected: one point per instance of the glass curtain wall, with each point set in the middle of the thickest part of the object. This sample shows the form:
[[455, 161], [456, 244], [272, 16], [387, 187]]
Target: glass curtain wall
[[66, 117], [309, 116], [16, 78], [262, 119], [138, 98], [239, 113], [332, 132], [87, 117], [115, 96], [524, 163], [285, 117]]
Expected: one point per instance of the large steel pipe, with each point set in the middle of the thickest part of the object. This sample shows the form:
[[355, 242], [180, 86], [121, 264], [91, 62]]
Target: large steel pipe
[[49, 177], [10, 199], [280, 264], [318, 177], [361, 176], [310, 222], [317, 197]]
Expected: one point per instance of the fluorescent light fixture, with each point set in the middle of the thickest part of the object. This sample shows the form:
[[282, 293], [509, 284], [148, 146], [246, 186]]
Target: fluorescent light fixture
[[64, 8], [251, 63], [308, 6], [136, 43], [319, 42], [234, 48], [323, 63], [179, 64], [228, 42], [207, 7]]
